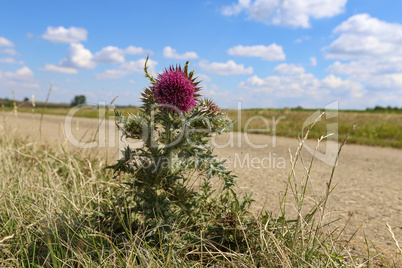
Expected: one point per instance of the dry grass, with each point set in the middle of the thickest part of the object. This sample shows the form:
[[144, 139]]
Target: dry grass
[[373, 128], [45, 194]]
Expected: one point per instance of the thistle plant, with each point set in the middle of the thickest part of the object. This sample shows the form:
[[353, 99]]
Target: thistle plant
[[175, 125]]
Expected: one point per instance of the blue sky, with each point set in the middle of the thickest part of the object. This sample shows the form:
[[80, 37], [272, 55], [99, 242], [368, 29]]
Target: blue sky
[[264, 53]]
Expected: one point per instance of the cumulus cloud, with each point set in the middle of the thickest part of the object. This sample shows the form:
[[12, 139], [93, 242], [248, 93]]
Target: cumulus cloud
[[11, 61], [291, 12], [363, 37], [285, 68], [112, 54], [78, 57], [138, 65], [134, 50], [111, 74], [272, 52], [369, 51], [334, 82], [63, 35], [21, 78], [5, 42], [8, 51], [281, 86], [171, 53], [235, 9], [298, 84], [109, 54], [58, 69], [21, 74], [225, 68], [127, 68]]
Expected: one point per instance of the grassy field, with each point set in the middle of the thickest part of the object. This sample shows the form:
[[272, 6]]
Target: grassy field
[[47, 197], [373, 127]]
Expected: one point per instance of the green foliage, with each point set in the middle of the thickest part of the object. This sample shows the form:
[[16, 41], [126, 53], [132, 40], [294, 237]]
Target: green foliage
[[79, 100]]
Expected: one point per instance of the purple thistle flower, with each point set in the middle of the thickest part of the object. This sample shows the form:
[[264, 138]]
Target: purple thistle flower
[[174, 87]]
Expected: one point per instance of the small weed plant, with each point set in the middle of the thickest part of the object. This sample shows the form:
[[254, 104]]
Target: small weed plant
[[168, 181]]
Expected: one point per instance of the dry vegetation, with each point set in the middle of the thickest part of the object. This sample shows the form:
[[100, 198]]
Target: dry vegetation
[[374, 128], [46, 195]]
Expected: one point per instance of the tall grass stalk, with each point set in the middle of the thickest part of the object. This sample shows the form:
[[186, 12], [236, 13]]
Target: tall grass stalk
[[41, 116]]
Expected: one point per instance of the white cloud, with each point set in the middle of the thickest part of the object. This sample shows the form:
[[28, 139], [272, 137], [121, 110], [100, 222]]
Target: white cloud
[[291, 12], [369, 51], [111, 74], [334, 82], [171, 53], [365, 37], [78, 57], [282, 86], [354, 67], [303, 85], [203, 78], [20, 79], [21, 74], [5, 42], [127, 68], [8, 51], [134, 50], [138, 66], [111, 54], [63, 35], [11, 61], [285, 68], [272, 52], [302, 39], [58, 69], [235, 9], [313, 61], [228, 68]]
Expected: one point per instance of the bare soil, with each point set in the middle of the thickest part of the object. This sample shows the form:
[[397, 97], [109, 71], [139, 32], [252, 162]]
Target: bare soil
[[368, 192]]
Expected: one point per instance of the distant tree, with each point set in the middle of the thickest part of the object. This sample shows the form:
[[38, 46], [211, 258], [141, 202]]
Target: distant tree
[[26, 99], [298, 108], [79, 100], [379, 108]]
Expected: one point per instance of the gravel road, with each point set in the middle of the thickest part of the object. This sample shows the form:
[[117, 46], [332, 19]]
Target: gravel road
[[368, 179]]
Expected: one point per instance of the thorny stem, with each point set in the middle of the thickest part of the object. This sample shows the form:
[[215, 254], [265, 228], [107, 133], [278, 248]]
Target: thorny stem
[[167, 146]]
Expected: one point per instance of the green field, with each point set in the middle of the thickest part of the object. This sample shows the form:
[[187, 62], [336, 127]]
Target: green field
[[377, 128]]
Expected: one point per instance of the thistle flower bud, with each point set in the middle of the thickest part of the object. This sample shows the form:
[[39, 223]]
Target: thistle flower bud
[[177, 88]]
